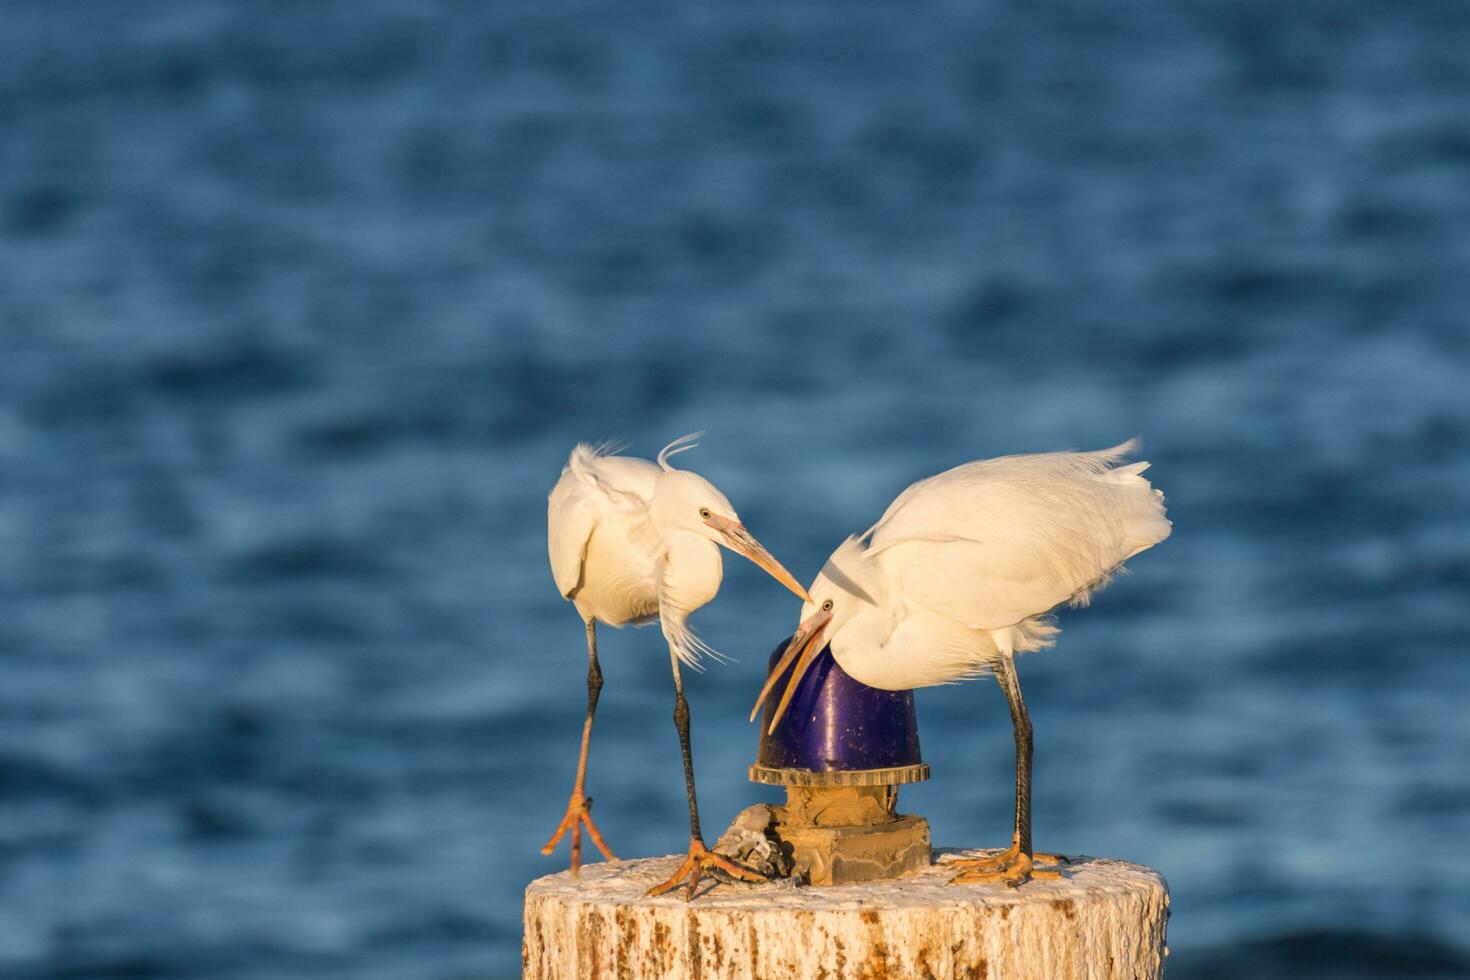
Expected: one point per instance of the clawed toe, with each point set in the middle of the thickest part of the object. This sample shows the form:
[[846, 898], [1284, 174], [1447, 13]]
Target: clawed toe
[[985, 864], [578, 816], [699, 861], [1011, 868]]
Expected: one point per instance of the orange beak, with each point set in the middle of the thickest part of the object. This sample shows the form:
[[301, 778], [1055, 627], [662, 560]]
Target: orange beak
[[742, 542], [803, 647]]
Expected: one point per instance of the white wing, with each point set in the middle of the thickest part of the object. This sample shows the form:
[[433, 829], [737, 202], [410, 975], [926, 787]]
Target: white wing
[[594, 486], [569, 524], [974, 584], [996, 542]]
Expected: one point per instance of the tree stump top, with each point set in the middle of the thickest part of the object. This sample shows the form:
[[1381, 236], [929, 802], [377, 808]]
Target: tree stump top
[[1106, 919]]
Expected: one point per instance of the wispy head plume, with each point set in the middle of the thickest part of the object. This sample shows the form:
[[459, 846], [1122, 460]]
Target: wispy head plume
[[680, 445]]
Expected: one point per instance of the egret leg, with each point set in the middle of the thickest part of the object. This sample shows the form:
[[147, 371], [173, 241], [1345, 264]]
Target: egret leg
[[579, 807], [700, 859], [1016, 864]]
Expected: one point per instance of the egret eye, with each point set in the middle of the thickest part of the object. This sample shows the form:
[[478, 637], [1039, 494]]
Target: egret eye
[[827, 606], [704, 513]]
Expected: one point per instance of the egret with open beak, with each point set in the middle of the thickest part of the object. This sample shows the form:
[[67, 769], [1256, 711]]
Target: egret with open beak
[[803, 648], [958, 576]]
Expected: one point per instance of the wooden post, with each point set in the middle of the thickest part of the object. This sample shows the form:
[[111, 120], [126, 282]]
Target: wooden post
[[1105, 920]]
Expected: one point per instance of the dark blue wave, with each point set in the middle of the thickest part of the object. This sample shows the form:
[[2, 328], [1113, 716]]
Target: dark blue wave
[[1339, 954]]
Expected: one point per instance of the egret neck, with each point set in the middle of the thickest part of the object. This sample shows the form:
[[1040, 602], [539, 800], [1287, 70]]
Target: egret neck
[[692, 571]]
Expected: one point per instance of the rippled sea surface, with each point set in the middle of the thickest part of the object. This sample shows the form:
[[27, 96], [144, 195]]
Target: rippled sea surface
[[303, 304]]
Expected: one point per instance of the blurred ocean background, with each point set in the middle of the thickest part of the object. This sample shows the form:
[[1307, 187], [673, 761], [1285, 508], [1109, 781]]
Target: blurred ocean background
[[303, 304]]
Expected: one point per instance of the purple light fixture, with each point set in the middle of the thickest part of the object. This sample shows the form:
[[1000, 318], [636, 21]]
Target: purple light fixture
[[838, 732], [842, 749]]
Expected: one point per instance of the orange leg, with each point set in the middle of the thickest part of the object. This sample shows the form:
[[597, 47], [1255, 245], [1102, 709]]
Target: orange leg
[[579, 807]]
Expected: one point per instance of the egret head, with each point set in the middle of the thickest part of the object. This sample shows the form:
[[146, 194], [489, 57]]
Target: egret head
[[847, 584], [685, 501]]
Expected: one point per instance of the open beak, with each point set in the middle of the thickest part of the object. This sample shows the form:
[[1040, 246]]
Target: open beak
[[742, 542], [803, 648]]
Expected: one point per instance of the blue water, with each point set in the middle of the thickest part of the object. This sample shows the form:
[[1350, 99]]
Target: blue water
[[303, 304]]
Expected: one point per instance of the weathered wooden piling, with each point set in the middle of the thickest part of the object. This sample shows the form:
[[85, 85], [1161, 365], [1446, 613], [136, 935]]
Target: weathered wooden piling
[[1105, 920]]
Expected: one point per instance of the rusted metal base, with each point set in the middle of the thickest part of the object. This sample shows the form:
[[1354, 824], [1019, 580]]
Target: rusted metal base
[[843, 855], [836, 835]]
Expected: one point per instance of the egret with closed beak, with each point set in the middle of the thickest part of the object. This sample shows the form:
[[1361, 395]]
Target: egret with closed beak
[[633, 541]]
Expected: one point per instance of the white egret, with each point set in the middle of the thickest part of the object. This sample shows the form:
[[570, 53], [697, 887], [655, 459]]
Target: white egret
[[632, 541], [955, 579]]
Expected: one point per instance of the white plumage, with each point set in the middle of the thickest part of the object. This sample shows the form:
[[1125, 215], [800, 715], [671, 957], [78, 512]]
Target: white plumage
[[600, 536], [633, 541], [961, 571], [964, 566]]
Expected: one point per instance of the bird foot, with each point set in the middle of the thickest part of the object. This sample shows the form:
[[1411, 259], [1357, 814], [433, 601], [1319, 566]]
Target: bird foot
[[700, 860], [579, 815], [1011, 867]]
